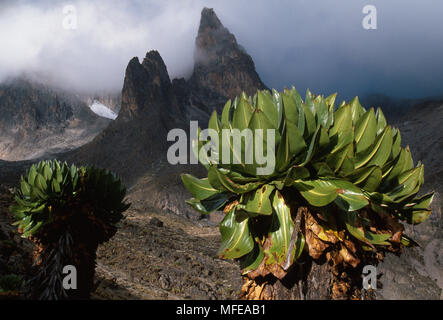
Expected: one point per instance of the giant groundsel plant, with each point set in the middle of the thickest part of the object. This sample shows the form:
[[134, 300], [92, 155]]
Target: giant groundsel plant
[[342, 183], [67, 211]]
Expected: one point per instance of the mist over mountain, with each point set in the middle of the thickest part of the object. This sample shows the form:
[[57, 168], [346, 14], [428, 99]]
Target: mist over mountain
[[309, 44], [37, 120]]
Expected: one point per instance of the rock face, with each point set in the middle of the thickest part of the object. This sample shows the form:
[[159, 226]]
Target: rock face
[[27, 106], [36, 120], [147, 94], [222, 69]]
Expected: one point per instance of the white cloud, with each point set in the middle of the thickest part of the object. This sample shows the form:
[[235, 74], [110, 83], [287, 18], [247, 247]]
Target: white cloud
[[109, 33], [318, 44]]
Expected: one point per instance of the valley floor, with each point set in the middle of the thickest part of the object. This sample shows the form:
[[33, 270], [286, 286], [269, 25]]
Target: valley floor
[[163, 256]]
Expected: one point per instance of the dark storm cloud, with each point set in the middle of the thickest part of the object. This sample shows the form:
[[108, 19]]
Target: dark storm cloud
[[317, 44], [322, 45]]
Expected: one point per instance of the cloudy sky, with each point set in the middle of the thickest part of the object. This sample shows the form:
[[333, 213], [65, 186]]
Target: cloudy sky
[[320, 44]]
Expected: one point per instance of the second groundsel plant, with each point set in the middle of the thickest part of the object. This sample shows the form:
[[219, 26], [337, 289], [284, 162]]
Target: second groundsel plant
[[67, 212]]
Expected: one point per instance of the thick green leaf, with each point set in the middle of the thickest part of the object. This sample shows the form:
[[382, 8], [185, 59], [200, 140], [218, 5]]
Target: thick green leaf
[[25, 187], [355, 228], [47, 172], [236, 237], [214, 123], [356, 109], [378, 239], [252, 260], [341, 140], [367, 178], [347, 166], [384, 150], [222, 182], [398, 167], [313, 147], [267, 106], [301, 113], [423, 202], [290, 108], [242, 115], [238, 177], [299, 246], [200, 188], [280, 231], [409, 164], [378, 153], [396, 145], [260, 121], [342, 120], [350, 197], [409, 181], [225, 120], [40, 182], [295, 173], [297, 96], [365, 131], [278, 102], [259, 201], [309, 101], [322, 112], [311, 124], [381, 121], [323, 170], [330, 100], [211, 204], [418, 211], [318, 193], [55, 186], [323, 142], [216, 202], [380, 198], [291, 144], [335, 160], [32, 175], [236, 154]]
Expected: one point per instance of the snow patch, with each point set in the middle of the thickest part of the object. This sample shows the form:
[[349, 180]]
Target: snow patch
[[102, 110]]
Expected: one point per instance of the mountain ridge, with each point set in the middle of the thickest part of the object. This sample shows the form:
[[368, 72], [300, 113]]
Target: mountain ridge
[[36, 119]]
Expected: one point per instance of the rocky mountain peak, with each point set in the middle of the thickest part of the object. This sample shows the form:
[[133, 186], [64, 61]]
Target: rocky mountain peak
[[156, 69], [145, 84], [222, 69], [209, 20], [213, 40]]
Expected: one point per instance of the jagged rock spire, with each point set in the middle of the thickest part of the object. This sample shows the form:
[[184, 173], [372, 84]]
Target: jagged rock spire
[[213, 39], [222, 68], [146, 84], [209, 20]]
